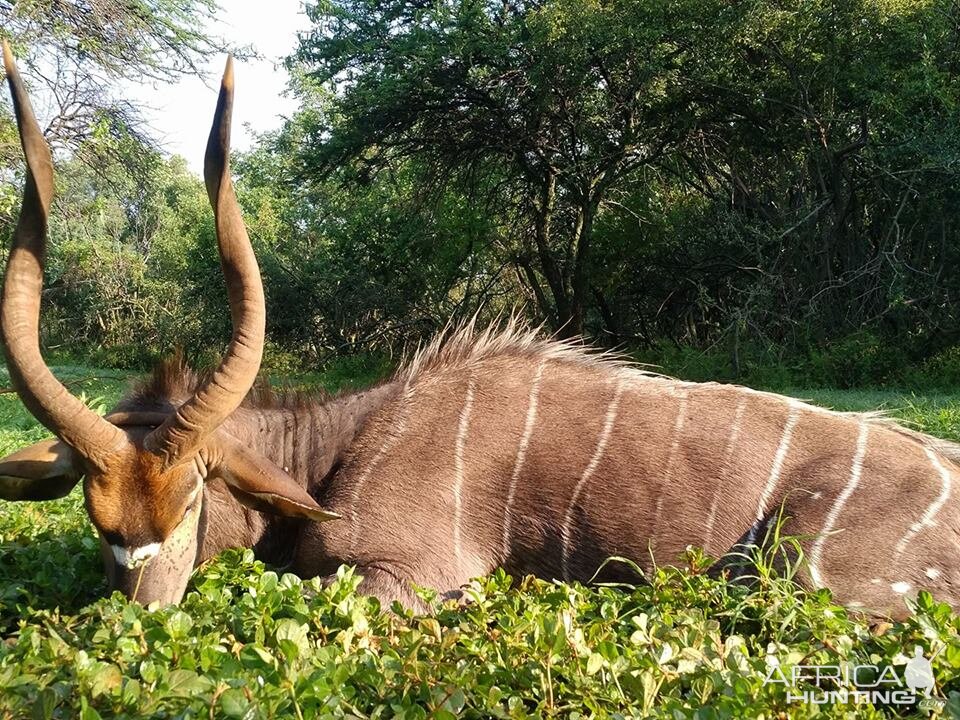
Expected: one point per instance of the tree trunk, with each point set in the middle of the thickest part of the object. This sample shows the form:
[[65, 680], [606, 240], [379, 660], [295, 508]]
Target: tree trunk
[[548, 265], [579, 285], [527, 274], [609, 319]]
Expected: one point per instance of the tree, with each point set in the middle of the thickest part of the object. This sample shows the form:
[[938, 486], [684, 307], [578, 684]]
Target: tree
[[566, 98], [355, 265], [73, 52], [123, 281], [835, 155]]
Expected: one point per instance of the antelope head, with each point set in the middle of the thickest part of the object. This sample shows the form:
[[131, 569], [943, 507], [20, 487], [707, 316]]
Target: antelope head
[[143, 472]]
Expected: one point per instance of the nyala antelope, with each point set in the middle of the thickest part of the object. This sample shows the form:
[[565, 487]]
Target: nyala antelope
[[486, 449]]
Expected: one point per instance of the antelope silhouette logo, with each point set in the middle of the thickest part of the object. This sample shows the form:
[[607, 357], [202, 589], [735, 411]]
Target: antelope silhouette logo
[[918, 674]]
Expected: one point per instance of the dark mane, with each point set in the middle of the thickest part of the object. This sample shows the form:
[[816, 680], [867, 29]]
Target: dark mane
[[173, 381]]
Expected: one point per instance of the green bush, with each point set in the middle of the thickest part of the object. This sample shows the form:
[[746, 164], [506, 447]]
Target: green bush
[[942, 370], [859, 361], [247, 642], [862, 360]]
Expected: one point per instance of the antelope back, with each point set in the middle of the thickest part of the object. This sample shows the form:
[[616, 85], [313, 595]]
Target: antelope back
[[507, 450]]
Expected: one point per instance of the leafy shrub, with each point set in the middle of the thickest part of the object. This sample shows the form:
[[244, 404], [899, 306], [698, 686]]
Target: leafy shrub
[[941, 370], [356, 371], [247, 642], [756, 365], [858, 361]]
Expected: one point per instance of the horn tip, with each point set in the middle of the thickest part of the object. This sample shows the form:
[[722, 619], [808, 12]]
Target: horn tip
[[227, 82], [8, 57]]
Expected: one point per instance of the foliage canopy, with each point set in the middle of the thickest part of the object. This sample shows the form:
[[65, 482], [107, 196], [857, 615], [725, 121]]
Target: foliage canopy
[[763, 180]]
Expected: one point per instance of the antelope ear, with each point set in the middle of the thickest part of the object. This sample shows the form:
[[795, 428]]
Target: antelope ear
[[258, 483], [45, 471]]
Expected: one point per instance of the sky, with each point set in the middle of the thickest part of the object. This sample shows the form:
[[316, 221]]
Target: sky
[[179, 114]]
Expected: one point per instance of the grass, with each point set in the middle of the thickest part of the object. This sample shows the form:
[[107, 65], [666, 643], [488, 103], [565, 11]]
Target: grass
[[248, 642]]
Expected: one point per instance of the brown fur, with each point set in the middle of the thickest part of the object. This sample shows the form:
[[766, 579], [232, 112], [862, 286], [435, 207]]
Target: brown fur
[[445, 472], [136, 499], [643, 500]]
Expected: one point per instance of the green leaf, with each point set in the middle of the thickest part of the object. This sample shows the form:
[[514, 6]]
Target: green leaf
[[178, 624], [44, 704], [104, 678], [186, 683], [235, 704], [594, 663]]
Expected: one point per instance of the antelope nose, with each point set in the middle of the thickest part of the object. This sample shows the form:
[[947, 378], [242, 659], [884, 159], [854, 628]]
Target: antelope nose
[[131, 558]]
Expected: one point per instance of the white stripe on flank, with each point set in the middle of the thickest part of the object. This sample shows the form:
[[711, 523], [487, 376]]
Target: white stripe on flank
[[671, 462], [532, 405], [388, 444], [855, 471], [778, 459], [458, 465], [608, 421], [727, 459], [677, 429], [934, 507], [131, 558]]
